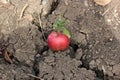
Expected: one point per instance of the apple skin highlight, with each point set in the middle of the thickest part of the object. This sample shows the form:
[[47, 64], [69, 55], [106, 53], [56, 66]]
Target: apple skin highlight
[[58, 41]]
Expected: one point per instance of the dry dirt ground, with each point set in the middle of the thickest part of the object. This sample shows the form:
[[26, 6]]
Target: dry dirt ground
[[94, 51]]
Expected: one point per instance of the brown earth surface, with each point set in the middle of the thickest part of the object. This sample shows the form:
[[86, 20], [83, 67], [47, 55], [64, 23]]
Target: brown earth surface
[[93, 53]]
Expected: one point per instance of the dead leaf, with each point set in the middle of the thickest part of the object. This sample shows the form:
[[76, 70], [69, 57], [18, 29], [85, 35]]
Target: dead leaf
[[102, 2], [7, 57]]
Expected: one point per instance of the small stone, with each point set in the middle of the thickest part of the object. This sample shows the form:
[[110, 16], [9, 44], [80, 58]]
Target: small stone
[[78, 54], [1, 67], [92, 64]]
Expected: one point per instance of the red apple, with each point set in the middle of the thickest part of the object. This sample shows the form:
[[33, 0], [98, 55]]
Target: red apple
[[58, 41]]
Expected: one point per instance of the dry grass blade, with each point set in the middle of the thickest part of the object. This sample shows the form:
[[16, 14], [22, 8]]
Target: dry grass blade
[[23, 10], [34, 76], [40, 23]]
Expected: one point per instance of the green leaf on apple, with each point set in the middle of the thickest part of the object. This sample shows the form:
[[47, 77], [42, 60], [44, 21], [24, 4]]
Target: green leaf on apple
[[66, 32], [60, 26]]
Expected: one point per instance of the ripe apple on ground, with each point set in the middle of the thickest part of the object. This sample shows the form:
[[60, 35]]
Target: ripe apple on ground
[[58, 41]]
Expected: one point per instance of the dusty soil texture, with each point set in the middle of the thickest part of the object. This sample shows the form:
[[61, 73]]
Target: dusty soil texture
[[94, 51]]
